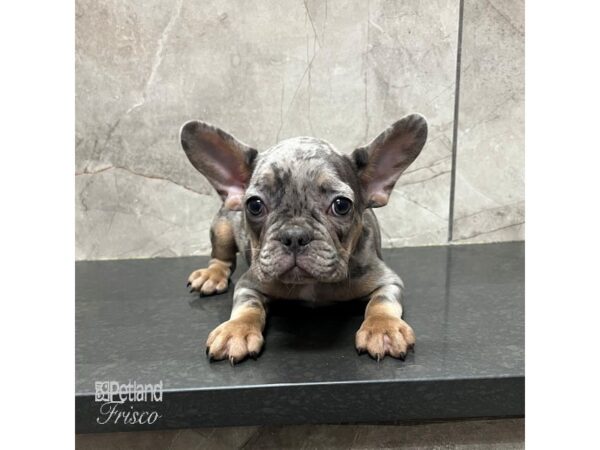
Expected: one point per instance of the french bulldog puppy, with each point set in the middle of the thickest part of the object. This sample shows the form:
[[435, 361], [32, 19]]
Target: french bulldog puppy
[[301, 213]]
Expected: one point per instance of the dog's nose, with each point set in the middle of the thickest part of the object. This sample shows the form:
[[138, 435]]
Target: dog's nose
[[295, 237]]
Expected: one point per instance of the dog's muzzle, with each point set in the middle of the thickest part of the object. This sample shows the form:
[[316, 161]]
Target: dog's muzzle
[[295, 238]]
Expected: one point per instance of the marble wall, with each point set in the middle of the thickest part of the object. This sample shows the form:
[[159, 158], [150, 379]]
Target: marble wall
[[489, 202], [269, 70]]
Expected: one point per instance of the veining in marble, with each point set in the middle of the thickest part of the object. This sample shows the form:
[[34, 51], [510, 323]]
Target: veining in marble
[[336, 70], [489, 198]]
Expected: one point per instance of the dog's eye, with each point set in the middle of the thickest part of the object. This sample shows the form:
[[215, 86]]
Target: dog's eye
[[255, 206], [341, 206]]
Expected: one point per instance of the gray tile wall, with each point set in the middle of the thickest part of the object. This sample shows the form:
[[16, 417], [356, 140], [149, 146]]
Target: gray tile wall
[[489, 202], [338, 70]]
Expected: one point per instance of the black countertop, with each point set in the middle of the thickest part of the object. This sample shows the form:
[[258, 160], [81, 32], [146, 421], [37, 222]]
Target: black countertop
[[136, 321]]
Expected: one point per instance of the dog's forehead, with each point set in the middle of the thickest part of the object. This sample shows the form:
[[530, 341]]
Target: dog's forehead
[[301, 150], [306, 157], [304, 162]]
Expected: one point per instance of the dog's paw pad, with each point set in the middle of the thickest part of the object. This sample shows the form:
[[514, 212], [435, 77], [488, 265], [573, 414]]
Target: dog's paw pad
[[212, 280], [234, 340], [385, 335]]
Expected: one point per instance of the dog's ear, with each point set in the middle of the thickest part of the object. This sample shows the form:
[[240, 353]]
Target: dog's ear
[[380, 163], [221, 158]]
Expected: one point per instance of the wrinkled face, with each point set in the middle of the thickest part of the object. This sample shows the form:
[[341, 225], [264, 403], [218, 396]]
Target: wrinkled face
[[303, 212], [303, 201]]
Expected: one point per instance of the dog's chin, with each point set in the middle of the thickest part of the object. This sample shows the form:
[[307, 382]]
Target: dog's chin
[[296, 275]]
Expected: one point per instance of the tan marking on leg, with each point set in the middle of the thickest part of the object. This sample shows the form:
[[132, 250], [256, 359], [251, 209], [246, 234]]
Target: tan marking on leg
[[383, 332], [223, 240], [212, 280], [378, 306], [240, 336]]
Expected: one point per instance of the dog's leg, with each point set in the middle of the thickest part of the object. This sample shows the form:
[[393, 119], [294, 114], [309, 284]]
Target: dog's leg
[[215, 278], [241, 335], [383, 332]]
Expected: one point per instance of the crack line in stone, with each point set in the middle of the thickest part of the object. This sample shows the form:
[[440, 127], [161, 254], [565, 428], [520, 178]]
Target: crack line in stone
[[365, 75], [426, 179], [481, 233], [312, 24], [495, 208], [308, 67], [428, 167], [414, 202], [158, 57], [152, 177], [507, 19]]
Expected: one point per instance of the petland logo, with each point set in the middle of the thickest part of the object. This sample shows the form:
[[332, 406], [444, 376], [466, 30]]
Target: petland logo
[[119, 402]]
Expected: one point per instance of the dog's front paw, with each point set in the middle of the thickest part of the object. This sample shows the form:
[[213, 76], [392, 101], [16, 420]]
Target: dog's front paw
[[385, 335], [212, 280], [234, 340]]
